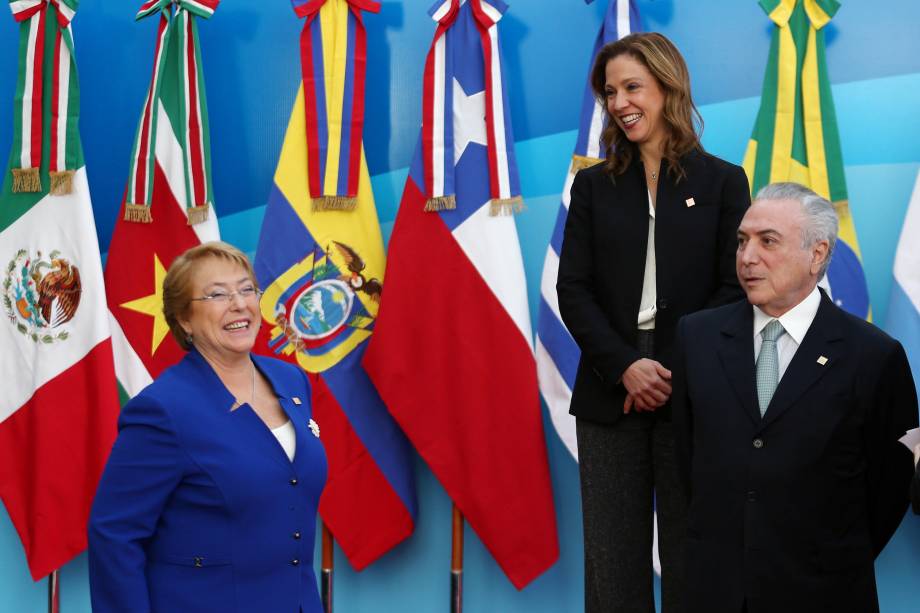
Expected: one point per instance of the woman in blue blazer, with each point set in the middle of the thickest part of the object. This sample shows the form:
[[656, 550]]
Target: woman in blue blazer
[[208, 501]]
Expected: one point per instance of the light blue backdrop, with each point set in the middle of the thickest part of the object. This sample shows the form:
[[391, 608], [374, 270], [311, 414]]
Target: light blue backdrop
[[250, 55]]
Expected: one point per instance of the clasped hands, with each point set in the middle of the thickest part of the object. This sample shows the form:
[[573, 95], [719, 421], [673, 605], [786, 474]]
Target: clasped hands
[[648, 384]]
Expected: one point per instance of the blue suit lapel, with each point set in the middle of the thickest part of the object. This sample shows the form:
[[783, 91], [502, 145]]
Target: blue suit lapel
[[244, 421], [804, 371], [289, 399]]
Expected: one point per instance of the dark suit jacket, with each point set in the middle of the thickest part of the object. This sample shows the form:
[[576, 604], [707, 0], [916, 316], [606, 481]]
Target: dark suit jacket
[[199, 509], [789, 511], [915, 490], [602, 264]]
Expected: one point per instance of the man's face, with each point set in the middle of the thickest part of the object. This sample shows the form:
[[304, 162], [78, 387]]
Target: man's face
[[773, 267]]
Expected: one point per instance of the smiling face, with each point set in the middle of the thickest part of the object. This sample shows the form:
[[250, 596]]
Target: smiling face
[[774, 269], [635, 101], [222, 330]]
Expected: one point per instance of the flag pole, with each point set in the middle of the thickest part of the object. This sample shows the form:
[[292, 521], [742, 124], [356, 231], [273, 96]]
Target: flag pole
[[327, 568], [54, 595], [456, 563]]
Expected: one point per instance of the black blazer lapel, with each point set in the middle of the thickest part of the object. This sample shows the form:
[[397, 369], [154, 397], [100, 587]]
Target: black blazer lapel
[[805, 369], [736, 351]]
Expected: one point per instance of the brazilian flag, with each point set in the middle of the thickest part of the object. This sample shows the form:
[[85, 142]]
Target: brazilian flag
[[796, 137]]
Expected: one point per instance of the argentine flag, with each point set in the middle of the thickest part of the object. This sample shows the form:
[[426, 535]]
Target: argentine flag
[[904, 306]]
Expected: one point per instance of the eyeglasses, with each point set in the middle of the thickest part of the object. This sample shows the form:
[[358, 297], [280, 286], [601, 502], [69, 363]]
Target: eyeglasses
[[220, 296]]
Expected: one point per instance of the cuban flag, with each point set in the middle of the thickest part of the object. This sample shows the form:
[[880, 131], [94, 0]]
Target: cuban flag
[[904, 306], [451, 354], [556, 352]]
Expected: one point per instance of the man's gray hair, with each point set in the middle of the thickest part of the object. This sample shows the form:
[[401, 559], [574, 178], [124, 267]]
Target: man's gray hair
[[821, 221]]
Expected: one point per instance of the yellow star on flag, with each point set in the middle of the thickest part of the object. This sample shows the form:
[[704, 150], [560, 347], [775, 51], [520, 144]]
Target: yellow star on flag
[[153, 305]]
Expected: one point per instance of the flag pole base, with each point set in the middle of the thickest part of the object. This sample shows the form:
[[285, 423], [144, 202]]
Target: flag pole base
[[456, 591], [54, 592], [328, 569], [456, 562]]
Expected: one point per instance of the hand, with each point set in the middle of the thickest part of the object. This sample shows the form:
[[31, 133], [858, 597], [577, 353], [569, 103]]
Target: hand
[[648, 384]]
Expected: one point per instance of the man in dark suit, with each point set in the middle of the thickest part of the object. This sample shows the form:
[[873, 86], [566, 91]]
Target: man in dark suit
[[789, 412]]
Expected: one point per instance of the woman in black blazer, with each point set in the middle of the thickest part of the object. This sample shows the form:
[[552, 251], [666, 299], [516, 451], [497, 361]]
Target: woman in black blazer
[[650, 236]]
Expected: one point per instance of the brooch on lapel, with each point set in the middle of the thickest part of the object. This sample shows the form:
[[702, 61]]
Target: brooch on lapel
[[314, 428], [296, 400], [690, 202]]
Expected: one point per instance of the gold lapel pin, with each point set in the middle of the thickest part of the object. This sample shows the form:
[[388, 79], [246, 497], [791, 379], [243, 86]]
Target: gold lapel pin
[[690, 202], [822, 360], [296, 400]]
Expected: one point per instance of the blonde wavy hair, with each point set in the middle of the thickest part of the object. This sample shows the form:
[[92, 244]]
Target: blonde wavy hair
[[177, 285]]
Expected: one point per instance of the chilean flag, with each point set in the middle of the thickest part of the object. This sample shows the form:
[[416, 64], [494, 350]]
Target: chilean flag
[[451, 354]]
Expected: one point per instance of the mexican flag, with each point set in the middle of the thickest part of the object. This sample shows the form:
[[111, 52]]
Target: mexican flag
[[58, 400], [168, 206]]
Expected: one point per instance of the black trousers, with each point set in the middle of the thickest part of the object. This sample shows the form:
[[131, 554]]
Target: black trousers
[[628, 470]]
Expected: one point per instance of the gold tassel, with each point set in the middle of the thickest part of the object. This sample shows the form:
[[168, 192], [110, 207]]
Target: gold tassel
[[138, 213], [441, 203], [61, 182], [26, 180], [335, 203], [506, 206], [580, 162], [197, 214]]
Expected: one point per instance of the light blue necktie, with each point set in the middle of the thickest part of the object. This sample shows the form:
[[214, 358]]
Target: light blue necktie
[[768, 364]]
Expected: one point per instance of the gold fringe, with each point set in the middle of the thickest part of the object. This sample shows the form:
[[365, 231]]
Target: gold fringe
[[441, 203], [843, 208], [27, 180], [580, 162], [138, 213], [198, 214], [335, 203], [506, 206], [61, 182]]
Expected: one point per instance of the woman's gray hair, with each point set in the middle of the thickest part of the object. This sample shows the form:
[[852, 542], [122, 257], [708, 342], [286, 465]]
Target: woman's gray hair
[[821, 221]]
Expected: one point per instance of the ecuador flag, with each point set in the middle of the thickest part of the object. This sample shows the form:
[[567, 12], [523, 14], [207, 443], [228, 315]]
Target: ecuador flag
[[320, 261]]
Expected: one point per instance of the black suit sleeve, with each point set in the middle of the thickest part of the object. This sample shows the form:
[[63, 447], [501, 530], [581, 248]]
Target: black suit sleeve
[[736, 198], [890, 464], [915, 490], [681, 407], [581, 312]]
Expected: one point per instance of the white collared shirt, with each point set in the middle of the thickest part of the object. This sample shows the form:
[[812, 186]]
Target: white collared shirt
[[648, 306], [287, 437], [795, 322]]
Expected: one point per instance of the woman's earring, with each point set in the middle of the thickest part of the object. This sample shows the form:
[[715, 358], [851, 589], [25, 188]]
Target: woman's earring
[[188, 338]]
